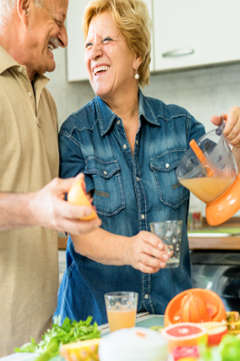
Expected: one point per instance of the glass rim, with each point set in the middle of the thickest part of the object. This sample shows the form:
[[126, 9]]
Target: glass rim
[[168, 221], [120, 293]]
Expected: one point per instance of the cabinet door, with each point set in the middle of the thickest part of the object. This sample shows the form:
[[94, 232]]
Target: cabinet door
[[195, 32], [76, 69]]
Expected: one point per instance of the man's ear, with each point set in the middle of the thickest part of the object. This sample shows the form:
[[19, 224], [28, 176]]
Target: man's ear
[[23, 8]]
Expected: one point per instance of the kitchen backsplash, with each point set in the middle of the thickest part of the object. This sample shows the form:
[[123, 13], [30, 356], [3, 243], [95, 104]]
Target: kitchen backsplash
[[204, 92]]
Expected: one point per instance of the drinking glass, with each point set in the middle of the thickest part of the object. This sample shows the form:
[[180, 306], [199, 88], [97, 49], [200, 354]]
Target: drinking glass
[[170, 233], [121, 309]]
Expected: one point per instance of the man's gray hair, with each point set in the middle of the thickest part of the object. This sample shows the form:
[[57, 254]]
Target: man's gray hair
[[7, 5]]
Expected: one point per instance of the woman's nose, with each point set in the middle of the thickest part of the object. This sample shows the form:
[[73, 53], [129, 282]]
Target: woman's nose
[[97, 50]]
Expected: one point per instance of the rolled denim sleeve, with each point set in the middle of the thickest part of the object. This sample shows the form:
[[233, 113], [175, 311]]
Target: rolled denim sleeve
[[71, 159]]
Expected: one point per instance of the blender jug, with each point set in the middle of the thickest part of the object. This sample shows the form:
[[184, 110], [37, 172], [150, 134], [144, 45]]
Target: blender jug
[[209, 170]]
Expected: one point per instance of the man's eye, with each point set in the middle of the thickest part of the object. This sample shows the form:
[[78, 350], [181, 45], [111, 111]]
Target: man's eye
[[59, 23]]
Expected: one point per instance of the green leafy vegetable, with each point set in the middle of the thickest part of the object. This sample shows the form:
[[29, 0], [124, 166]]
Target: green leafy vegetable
[[69, 331]]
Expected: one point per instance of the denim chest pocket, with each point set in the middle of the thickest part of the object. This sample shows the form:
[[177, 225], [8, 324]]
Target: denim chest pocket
[[170, 191], [108, 187]]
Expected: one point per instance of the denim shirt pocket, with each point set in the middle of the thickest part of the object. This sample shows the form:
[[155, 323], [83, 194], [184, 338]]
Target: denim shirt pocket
[[164, 166], [108, 195]]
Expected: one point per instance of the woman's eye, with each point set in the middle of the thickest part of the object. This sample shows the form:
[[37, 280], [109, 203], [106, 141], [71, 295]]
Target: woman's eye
[[107, 39], [87, 45]]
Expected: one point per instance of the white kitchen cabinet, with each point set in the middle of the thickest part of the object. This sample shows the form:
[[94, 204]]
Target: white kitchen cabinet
[[195, 32], [76, 69]]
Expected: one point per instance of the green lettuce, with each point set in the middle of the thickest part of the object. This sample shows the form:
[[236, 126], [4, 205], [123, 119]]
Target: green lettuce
[[57, 335]]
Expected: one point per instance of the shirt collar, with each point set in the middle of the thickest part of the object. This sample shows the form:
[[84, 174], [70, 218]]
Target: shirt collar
[[147, 110], [106, 117], [8, 62]]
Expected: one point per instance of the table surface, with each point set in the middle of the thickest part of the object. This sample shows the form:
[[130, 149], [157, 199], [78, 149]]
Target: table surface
[[142, 321]]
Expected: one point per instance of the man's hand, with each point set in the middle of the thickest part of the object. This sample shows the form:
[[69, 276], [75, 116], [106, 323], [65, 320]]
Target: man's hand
[[49, 209]]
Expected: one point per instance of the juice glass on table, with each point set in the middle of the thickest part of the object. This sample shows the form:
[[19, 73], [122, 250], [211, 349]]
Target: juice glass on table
[[121, 309]]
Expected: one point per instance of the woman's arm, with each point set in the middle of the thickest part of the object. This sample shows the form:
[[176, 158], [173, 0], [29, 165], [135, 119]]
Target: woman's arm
[[145, 251], [231, 129]]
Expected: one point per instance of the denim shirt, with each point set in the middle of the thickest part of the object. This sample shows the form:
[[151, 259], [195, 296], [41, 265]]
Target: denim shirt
[[130, 190]]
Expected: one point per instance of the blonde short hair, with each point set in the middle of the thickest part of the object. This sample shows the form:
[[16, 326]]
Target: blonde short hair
[[133, 21]]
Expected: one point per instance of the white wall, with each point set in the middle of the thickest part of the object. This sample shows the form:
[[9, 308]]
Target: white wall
[[204, 92]]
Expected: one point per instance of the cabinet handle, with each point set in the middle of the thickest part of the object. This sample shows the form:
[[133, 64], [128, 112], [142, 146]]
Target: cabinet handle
[[177, 53]]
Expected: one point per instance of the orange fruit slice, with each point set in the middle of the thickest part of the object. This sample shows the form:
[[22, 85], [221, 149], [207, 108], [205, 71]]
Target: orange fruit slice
[[184, 334], [78, 196], [215, 332], [195, 305], [81, 350]]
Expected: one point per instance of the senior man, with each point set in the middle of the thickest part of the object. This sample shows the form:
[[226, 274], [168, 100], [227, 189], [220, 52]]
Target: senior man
[[29, 32]]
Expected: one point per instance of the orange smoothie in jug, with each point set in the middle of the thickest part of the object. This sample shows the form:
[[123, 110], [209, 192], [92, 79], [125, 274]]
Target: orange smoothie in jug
[[207, 188]]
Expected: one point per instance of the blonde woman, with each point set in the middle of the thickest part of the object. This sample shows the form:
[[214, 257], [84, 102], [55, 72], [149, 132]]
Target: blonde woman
[[128, 146]]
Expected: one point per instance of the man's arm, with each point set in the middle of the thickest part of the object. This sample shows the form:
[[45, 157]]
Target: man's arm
[[45, 208]]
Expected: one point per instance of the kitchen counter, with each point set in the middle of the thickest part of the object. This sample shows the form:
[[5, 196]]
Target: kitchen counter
[[223, 237], [206, 242]]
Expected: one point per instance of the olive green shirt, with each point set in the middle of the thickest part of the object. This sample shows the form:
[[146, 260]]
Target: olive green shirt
[[28, 160]]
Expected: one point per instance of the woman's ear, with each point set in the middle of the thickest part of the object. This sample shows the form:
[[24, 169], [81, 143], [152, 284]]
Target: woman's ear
[[23, 8], [136, 63]]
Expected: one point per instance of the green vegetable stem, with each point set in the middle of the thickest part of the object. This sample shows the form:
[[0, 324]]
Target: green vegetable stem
[[57, 335]]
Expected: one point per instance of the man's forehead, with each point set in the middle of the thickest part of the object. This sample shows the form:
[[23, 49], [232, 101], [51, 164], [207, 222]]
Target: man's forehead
[[57, 6]]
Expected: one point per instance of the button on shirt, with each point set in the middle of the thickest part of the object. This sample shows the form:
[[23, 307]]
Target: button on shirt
[[130, 191]]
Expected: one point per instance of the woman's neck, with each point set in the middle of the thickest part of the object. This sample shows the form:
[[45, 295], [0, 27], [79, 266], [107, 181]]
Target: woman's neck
[[125, 106]]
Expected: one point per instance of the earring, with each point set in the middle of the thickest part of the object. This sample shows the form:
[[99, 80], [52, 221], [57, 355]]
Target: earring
[[137, 76]]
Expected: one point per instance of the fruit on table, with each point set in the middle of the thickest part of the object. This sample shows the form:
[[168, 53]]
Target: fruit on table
[[233, 322], [185, 353], [229, 348], [195, 305], [78, 196], [184, 334], [215, 331], [81, 350], [188, 359]]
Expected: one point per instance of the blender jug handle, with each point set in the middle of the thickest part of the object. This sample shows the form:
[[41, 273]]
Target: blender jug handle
[[220, 128]]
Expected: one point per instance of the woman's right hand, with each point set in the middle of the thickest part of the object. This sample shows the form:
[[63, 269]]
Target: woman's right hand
[[147, 252]]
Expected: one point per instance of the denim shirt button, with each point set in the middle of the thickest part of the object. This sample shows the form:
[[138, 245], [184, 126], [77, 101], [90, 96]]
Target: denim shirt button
[[142, 216], [124, 146], [105, 172], [146, 296], [167, 165], [136, 142], [118, 122], [137, 179]]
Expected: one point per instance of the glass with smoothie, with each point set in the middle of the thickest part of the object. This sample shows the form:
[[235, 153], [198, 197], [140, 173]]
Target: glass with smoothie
[[207, 188], [121, 309]]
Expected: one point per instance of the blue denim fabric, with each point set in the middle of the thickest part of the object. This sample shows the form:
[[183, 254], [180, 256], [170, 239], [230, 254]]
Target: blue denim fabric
[[130, 191]]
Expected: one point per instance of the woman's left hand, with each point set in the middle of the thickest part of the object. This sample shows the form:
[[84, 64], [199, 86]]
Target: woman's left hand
[[232, 126]]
